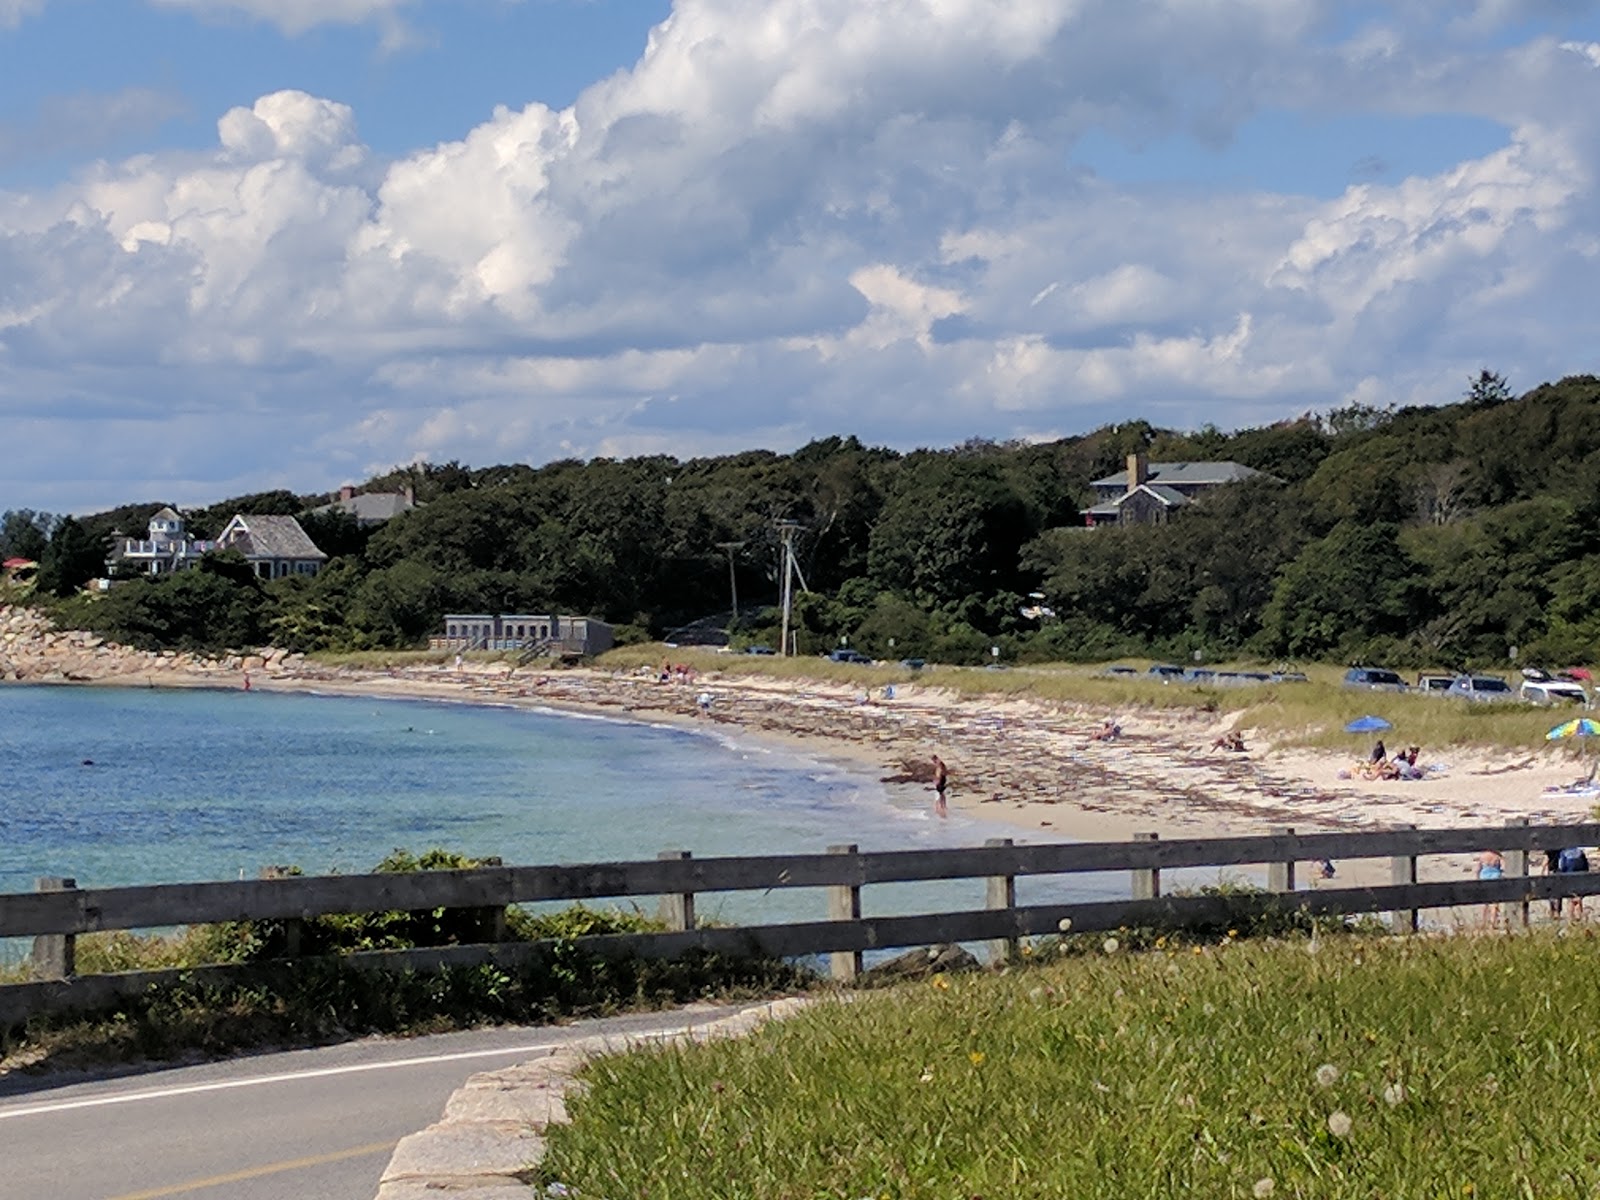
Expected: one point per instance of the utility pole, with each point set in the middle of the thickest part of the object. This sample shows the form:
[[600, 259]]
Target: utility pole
[[786, 531], [733, 582]]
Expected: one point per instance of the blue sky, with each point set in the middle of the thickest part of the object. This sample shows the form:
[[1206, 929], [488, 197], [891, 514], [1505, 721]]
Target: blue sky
[[260, 243]]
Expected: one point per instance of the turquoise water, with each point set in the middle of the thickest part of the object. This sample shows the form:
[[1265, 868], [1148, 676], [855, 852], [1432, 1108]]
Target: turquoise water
[[132, 786]]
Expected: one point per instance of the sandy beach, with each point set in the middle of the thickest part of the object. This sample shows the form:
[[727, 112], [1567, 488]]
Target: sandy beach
[[1032, 770], [1029, 769]]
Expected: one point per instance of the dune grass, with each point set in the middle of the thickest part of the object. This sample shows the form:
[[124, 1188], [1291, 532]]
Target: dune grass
[[1313, 713], [1349, 1067]]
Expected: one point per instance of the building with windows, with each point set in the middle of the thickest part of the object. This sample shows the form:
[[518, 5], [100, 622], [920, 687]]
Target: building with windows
[[1149, 493], [275, 547], [522, 631]]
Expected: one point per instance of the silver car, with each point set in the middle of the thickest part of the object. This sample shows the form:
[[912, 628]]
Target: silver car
[[1480, 687]]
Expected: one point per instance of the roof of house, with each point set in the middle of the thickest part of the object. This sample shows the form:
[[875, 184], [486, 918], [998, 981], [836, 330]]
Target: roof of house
[[371, 506], [166, 514], [1180, 473], [274, 537], [1170, 497], [14, 564]]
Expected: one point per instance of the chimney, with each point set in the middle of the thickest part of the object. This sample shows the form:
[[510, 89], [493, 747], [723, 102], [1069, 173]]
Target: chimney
[[410, 493], [1138, 470], [347, 492]]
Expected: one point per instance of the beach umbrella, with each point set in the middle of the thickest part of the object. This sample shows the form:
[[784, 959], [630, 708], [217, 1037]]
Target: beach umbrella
[[1368, 724], [1577, 727]]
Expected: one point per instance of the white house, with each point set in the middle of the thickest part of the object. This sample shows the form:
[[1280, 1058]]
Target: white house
[[275, 547]]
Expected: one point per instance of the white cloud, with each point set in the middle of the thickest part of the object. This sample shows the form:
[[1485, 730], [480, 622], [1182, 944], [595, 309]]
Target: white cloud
[[296, 16], [819, 216], [12, 12]]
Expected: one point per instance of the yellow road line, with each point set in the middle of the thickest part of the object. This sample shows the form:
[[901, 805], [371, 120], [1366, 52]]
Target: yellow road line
[[294, 1164]]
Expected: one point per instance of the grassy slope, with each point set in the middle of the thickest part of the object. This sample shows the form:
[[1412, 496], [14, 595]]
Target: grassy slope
[[1448, 1068]]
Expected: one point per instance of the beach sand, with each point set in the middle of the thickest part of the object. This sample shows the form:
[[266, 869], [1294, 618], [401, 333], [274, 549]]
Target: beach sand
[[1030, 770]]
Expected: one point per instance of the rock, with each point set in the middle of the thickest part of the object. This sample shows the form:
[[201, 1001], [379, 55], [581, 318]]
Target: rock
[[919, 964]]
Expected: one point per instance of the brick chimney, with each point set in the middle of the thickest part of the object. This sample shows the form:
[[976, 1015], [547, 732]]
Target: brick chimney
[[1138, 470], [347, 492]]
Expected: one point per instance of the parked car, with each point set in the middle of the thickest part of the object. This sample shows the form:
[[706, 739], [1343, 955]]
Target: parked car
[[1553, 691], [759, 650], [1434, 685], [1290, 677], [1121, 670], [1480, 687], [1166, 671], [847, 655], [913, 664], [1374, 679]]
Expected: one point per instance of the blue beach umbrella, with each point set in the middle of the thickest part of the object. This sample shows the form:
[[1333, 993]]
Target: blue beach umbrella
[[1368, 724]]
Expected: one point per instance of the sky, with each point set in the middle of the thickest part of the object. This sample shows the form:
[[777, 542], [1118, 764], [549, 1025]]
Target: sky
[[250, 244]]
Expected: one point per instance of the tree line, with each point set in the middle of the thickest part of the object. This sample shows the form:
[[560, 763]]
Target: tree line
[[1439, 536]]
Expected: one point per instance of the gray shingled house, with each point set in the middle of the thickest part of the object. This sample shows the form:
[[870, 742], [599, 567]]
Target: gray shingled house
[[1149, 493], [371, 508], [274, 546]]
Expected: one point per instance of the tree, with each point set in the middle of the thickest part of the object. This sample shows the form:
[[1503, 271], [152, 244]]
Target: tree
[[1488, 390], [950, 530], [1341, 591], [72, 558], [25, 533]]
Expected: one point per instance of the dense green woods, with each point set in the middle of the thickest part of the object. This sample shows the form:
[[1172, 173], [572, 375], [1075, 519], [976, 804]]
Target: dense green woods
[[1423, 536]]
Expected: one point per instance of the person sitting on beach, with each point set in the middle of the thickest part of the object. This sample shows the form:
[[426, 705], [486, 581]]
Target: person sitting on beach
[[1405, 764], [1379, 754], [1232, 740], [1109, 732]]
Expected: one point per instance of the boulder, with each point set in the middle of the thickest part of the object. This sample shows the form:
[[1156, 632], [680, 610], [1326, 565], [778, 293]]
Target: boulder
[[943, 959]]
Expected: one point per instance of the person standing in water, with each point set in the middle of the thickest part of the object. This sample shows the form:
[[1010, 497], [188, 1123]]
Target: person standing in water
[[941, 780]]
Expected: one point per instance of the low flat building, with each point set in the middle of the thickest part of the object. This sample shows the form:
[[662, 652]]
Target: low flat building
[[524, 631]]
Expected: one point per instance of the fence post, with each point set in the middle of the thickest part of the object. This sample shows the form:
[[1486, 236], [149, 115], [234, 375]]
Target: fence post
[[1280, 875], [55, 955], [1402, 871], [844, 904], [1516, 867], [1146, 880], [677, 908], [1001, 893], [294, 928]]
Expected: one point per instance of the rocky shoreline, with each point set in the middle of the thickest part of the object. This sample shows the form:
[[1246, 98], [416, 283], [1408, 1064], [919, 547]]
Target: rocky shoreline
[[33, 650]]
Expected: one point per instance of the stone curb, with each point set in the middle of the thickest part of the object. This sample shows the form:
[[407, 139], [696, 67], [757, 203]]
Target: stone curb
[[492, 1130]]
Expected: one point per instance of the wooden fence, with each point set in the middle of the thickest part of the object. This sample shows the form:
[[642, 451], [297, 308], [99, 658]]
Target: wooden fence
[[58, 911]]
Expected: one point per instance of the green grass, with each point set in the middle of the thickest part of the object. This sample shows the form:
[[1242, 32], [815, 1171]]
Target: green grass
[[1349, 1067]]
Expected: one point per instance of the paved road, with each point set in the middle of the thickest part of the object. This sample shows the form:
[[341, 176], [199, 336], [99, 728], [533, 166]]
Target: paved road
[[306, 1123]]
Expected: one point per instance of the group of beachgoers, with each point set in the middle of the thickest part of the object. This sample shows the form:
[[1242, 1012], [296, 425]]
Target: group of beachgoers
[[1380, 764], [1570, 860]]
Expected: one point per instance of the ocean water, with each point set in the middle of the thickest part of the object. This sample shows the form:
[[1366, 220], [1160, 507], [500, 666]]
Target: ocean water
[[114, 786]]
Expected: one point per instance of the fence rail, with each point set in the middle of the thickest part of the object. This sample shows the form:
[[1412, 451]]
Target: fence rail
[[58, 912]]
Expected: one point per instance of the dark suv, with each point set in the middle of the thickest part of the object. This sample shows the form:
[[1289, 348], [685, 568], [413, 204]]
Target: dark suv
[[845, 654], [1374, 679]]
